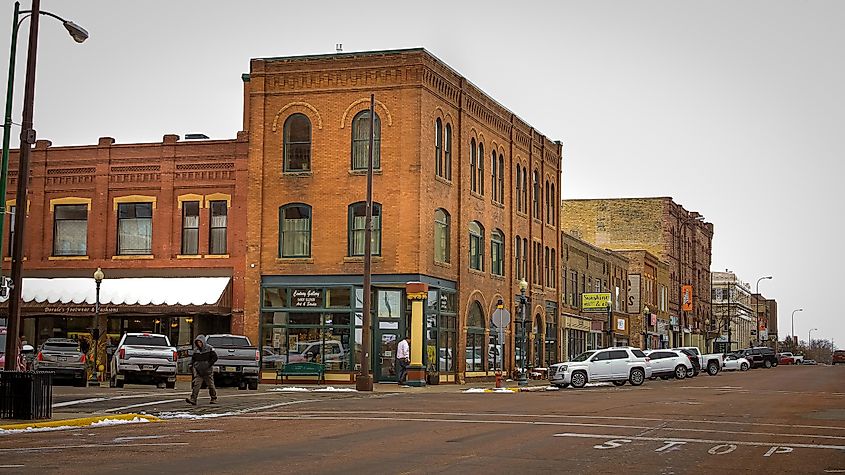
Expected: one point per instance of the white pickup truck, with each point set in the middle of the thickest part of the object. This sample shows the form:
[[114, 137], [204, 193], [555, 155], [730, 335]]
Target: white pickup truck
[[711, 363], [144, 358]]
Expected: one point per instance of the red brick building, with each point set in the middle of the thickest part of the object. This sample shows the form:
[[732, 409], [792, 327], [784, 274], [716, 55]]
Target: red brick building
[[152, 216]]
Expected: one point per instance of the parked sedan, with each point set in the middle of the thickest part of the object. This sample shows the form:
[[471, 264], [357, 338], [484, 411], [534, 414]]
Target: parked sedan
[[667, 364], [64, 359], [735, 363]]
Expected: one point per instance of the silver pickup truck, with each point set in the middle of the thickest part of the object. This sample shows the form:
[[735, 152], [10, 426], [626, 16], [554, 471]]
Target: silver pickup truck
[[237, 361], [144, 358]]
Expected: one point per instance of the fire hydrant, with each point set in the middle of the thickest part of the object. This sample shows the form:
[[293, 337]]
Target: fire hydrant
[[498, 379]]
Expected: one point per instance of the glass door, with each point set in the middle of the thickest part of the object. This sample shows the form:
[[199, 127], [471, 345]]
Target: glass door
[[389, 330]]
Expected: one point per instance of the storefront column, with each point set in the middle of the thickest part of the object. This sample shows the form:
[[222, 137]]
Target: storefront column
[[417, 292]]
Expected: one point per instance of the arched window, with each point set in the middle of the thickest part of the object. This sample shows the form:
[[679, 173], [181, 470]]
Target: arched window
[[438, 147], [480, 168], [361, 141], [297, 143], [548, 204], [553, 282], [524, 258], [517, 262], [476, 344], [494, 169], [295, 230], [473, 166], [555, 199], [525, 190], [357, 228], [476, 246], [447, 153], [497, 252], [536, 191], [518, 186], [501, 179], [539, 340], [547, 265], [441, 236]]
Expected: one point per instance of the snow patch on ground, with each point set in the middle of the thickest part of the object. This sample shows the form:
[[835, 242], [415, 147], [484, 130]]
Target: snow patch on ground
[[292, 389], [596, 385], [328, 389], [551, 388], [100, 423], [187, 415], [474, 390], [331, 389]]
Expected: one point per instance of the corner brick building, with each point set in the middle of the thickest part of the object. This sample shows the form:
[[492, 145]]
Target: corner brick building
[[681, 238], [466, 195]]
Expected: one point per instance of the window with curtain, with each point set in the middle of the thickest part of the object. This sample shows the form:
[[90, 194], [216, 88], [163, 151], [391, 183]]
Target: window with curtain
[[517, 252], [480, 168], [438, 147], [501, 183], [70, 230], [497, 252], [217, 235], [473, 166], [476, 246], [297, 143], [494, 169], [361, 141], [476, 348], [518, 185], [190, 228], [447, 153], [357, 227], [134, 229], [295, 230], [441, 236]]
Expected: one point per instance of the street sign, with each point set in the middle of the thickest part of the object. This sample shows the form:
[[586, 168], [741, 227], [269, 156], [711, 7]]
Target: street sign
[[501, 318]]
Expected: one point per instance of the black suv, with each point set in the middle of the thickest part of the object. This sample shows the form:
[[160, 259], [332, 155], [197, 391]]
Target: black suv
[[760, 356]]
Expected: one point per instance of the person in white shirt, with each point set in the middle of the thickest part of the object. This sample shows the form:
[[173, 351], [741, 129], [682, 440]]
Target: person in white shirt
[[403, 360]]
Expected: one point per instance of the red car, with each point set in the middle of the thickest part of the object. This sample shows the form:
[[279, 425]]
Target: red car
[[839, 357], [785, 358]]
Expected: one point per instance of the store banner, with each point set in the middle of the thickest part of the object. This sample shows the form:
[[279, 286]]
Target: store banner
[[591, 302], [633, 293], [686, 298]]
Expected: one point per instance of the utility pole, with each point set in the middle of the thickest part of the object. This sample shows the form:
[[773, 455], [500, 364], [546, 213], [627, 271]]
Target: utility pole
[[364, 381]]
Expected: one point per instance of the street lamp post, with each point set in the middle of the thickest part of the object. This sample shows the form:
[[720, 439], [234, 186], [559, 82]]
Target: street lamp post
[[792, 334], [757, 306], [646, 323], [810, 337], [27, 140], [98, 329], [523, 305]]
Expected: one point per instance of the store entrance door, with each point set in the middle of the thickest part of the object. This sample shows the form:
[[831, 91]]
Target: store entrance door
[[385, 342]]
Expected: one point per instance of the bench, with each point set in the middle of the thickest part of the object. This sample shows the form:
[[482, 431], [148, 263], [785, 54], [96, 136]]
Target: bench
[[301, 369]]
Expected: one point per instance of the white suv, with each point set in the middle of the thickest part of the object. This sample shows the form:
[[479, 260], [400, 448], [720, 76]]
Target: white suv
[[669, 364], [609, 364]]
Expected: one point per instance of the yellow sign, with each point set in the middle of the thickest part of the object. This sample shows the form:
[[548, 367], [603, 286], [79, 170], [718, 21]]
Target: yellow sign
[[595, 301]]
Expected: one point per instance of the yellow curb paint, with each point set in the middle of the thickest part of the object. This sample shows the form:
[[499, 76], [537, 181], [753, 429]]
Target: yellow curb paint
[[80, 422]]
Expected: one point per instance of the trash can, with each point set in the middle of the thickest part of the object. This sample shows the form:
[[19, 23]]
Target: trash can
[[26, 395]]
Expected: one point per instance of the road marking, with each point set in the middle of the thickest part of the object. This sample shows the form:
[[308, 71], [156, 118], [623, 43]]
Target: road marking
[[144, 404], [204, 430], [139, 437], [77, 402], [835, 470], [12, 466], [775, 445], [88, 446], [722, 449]]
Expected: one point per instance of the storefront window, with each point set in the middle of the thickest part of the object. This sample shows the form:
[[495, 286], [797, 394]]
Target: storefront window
[[476, 344], [275, 297], [339, 297], [389, 303]]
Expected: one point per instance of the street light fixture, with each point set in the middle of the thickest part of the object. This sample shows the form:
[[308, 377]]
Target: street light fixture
[[523, 304], [792, 334], [809, 337], [98, 329], [27, 140], [757, 307], [646, 323]]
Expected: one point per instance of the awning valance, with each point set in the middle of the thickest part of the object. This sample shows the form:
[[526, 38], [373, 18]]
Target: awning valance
[[183, 291]]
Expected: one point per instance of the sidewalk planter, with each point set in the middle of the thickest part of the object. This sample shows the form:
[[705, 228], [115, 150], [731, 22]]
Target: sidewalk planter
[[432, 377], [26, 395]]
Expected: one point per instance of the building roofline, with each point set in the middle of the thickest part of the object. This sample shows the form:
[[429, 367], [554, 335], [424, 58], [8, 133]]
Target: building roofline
[[607, 252], [621, 198]]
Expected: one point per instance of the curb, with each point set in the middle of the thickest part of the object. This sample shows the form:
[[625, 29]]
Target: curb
[[80, 422]]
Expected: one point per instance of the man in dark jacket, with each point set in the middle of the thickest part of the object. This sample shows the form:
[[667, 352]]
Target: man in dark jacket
[[202, 368]]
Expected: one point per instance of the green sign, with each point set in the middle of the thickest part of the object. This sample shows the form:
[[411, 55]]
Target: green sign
[[599, 301]]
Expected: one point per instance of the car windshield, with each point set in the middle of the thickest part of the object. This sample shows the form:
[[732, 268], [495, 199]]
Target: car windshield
[[583, 356], [228, 341], [146, 340]]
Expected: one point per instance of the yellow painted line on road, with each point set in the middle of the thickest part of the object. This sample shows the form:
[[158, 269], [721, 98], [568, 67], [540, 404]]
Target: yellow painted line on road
[[81, 421]]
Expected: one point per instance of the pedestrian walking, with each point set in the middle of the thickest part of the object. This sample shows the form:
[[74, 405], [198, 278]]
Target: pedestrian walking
[[403, 359], [202, 369]]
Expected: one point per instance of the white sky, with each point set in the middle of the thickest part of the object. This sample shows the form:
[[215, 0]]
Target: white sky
[[732, 108]]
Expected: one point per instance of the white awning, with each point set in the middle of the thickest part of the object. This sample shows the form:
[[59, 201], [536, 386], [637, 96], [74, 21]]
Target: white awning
[[126, 291]]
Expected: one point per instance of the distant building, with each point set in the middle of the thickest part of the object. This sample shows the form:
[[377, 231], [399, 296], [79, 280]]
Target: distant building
[[733, 315], [767, 314]]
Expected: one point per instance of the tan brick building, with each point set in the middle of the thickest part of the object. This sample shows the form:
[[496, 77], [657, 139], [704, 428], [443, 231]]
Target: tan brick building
[[648, 300], [466, 195], [681, 238]]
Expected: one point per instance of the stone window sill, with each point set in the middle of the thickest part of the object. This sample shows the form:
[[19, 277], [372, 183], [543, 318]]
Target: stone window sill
[[129, 257], [68, 258]]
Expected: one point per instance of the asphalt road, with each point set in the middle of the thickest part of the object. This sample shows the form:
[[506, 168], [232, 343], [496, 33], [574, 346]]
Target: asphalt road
[[783, 420]]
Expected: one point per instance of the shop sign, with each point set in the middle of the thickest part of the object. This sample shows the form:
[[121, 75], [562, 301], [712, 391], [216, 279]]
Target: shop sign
[[674, 321], [621, 324], [308, 298], [686, 298], [70, 309], [633, 293], [595, 301]]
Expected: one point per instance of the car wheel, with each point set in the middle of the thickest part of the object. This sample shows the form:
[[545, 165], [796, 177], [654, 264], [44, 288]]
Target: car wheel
[[579, 379], [767, 364], [253, 385], [637, 377], [744, 367], [690, 373], [712, 368], [619, 383], [680, 372], [170, 385], [242, 386]]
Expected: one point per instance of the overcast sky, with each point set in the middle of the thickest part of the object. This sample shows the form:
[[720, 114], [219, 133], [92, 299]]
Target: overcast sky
[[736, 109]]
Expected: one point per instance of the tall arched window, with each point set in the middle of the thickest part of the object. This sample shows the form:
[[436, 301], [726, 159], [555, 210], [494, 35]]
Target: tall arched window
[[494, 169], [525, 190], [473, 166], [480, 168], [554, 270], [553, 203], [441, 236], [524, 258], [518, 186], [297, 143], [447, 153], [476, 246], [546, 265], [438, 147], [536, 191], [501, 179], [361, 141], [548, 204], [295, 230], [357, 228], [497, 252], [517, 252], [476, 344]]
